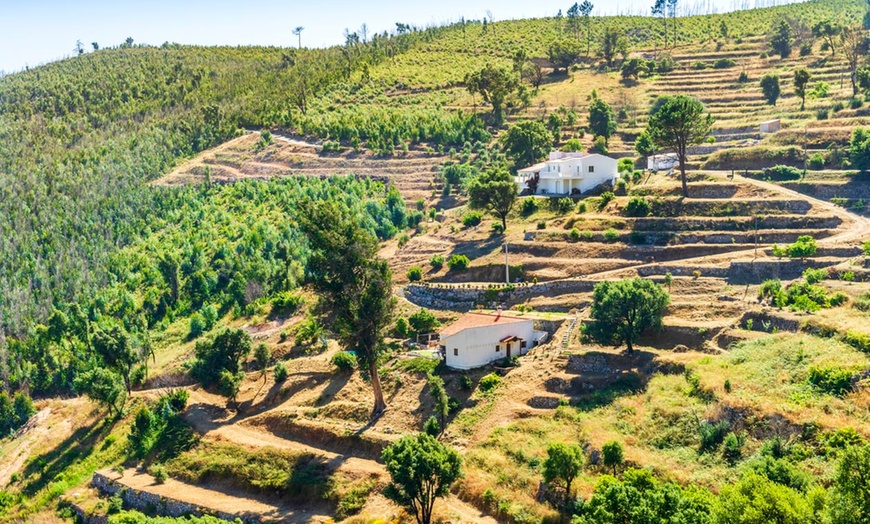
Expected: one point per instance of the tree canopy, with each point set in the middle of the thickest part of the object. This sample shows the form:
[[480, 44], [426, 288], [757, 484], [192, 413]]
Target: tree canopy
[[601, 120], [527, 142], [624, 309], [494, 84], [495, 191], [421, 470], [679, 122]]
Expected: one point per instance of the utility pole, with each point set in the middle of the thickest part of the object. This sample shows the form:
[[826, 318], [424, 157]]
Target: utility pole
[[298, 33], [507, 267]]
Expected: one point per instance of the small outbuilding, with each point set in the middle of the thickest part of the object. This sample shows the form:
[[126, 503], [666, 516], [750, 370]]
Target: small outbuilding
[[771, 126], [662, 162], [477, 339]]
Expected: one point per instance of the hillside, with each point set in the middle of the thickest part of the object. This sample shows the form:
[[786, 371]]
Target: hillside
[[163, 293]]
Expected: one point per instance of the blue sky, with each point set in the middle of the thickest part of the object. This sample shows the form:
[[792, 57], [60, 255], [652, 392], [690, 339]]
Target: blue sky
[[33, 32]]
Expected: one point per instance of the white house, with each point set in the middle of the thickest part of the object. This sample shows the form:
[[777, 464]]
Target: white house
[[568, 173], [477, 339], [662, 162]]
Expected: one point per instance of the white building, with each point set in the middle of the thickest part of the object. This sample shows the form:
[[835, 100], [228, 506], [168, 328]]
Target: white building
[[662, 162], [569, 173], [477, 339], [771, 126]]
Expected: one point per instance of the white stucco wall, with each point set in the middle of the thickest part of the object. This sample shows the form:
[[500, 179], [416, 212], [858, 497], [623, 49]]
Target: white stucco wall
[[476, 346]]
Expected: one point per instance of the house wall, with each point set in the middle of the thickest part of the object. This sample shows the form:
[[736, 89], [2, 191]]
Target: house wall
[[477, 345], [662, 162]]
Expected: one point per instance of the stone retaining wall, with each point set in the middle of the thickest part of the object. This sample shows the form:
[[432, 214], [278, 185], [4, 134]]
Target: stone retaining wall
[[465, 298], [165, 506]]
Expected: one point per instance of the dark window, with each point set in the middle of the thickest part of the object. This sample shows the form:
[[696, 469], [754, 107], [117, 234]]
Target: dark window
[[591, 169], [523, 344], [498, 348], [455, 352]]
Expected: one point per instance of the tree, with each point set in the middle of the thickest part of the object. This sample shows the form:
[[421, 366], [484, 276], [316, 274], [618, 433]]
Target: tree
[[632, 68], [625, 309], [494, 84], [229, 384], [601, 119], [677, 124], [850, 495], [801, 80], [770, 87], [421, 470], [563, 463], [103, 386], [95, 45], [442, 401], [612, 44], [586, 10], [354, 283], [611, 455], [223, 353], [563, 53], [115, 347], [494, 191], [829, 32], [659, 8], [854, 44], [672, 6], [644, 145], [423, 322], [573, 14], [298, 33], [859, 149], [781, 39], [262, 355], [755, 499], [526, 142]]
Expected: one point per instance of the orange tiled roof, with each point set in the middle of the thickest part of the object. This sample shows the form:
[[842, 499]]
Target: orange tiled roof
[[475, 320]]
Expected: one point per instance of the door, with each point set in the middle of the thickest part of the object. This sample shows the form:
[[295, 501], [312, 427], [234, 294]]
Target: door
[[508, 350]]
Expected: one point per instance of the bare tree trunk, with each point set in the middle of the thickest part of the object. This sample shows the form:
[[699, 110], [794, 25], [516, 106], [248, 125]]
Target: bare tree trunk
[[683, 178], [380, 404]]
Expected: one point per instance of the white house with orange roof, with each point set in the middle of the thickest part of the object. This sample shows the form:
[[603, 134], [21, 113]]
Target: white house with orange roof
[[568, 174], [477, 339]]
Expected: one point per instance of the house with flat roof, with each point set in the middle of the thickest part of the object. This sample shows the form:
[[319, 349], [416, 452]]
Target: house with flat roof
[[477, 339], [567, 174]]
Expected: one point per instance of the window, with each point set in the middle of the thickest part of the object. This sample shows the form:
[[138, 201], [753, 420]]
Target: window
[[523, 344], [497, 348], [591, 169], [455, 352]]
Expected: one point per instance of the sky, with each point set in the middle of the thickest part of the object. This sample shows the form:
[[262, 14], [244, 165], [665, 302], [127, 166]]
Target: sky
[[33, 32]]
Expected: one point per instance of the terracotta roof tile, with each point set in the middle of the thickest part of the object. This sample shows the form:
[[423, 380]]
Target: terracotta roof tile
[[475, 320]]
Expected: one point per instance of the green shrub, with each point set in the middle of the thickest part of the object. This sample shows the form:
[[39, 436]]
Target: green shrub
[[581, 207], [562, 206], [712, 434], [437, 261], [822, 113], [599, 145], [541, 225], [621, 187], [862, 302], [280, 372], [782, 173], [574, 234], [838, 106], [859, 341], [158, 471], [572, 145], [403, 329], [743, 77], [489, 382], [814, 276], [724, 63], [831, 380], [611, 235], [625, 165], [196, 326], [471, 219], [344, 361], [286, 303], [699, 65], [732, 447], [529, 206], [415, 274], [637, 207], [805, 246], [816, 162], [432, 427], [458, 262], [423, 321], [605, 199], [857, 102], [465, 383]]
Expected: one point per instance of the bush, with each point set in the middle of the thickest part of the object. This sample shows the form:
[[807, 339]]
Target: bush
[[605, 199], [489, 382], [471, 219], [637, 207], [805, 246], [158, 471], [541, 225], [724, 63], [176, 399], [816, 162], [437, 261], [280, 372], [344, 361], [458, 262], [286, 303], [822, 114], [581, 207], [529, 206], [743, 77], [621, 187], [831, 380], [611, 235], [782, 173], [431, 426], [423, 322], [814, 276], [403, 329], [196, 326], [465, 383], [562, 206], [838, 106], [572, 145], [574, 234], [770, 88], [732, 447], [855, 103], [599, 145], [699, 65], [415, 274], [625, 165], [712, 434]]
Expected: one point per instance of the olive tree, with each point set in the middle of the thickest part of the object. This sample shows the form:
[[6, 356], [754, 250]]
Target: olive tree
[[563, 463], [421, 470], [624, 309]]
